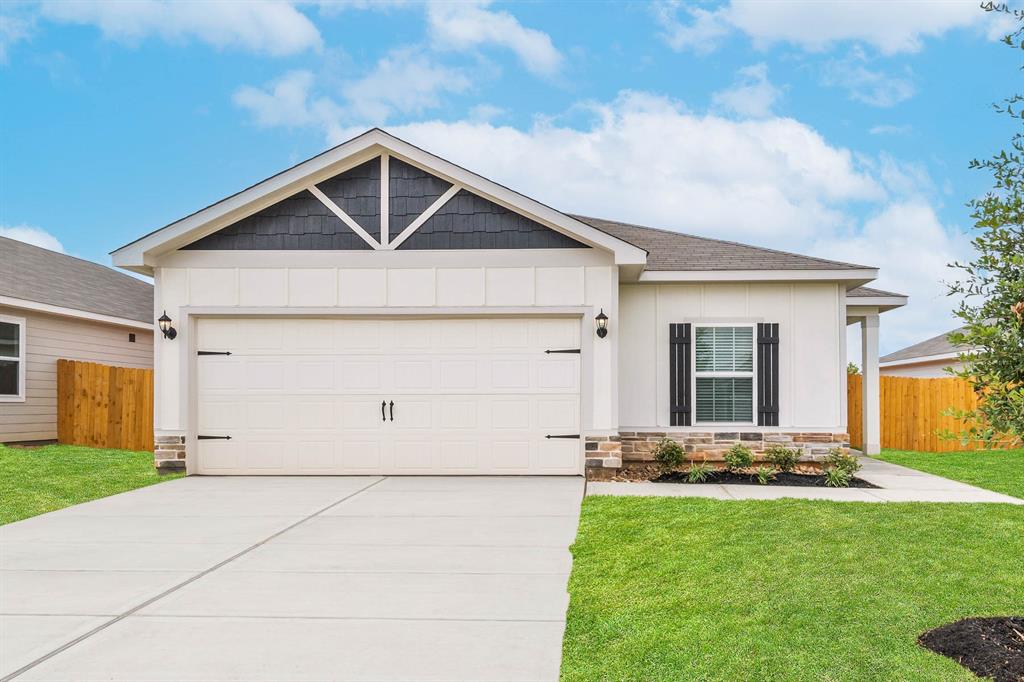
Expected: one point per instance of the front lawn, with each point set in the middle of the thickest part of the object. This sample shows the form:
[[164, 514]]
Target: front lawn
[[695, 589], [38, 480], [998, 470]]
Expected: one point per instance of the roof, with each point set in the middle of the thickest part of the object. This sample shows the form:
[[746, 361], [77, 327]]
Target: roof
[[31, 273], [868, 292], [668, 250], [937, 345]]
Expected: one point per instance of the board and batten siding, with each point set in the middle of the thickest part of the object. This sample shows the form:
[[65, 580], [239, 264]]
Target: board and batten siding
[[812, 362], [275, 280], [52, 337]]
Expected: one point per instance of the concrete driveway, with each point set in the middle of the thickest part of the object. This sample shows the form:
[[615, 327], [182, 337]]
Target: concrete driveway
[[346, 578]]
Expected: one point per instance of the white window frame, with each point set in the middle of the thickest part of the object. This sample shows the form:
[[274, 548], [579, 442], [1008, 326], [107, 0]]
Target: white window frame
[[725, 375], [20, 397]]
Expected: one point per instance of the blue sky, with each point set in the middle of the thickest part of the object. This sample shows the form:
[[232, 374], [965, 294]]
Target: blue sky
[[839, 129]]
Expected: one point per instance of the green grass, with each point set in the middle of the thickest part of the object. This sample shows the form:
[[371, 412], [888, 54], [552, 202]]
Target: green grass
[[695, 589], [38, 480], [998, 470]]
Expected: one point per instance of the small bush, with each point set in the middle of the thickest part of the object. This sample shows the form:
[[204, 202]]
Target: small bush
[[837, 478], [738, 457], [669, 453], [837, 459], [699, 472], [783, 458], [765, 475]]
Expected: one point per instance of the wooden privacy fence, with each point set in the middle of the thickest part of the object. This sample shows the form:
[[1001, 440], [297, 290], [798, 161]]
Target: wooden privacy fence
[[103, 406], [911, 411]]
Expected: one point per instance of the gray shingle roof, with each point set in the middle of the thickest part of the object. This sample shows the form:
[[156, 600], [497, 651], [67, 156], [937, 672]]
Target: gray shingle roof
[[937, 345], [669, 250], [868, 292], [42, 276]]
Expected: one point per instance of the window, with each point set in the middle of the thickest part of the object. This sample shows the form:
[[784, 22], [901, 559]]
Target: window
[[12, 358], [724, 374]]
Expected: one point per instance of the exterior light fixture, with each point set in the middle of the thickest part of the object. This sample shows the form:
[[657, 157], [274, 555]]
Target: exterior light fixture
[[165, 326], [602, 324]]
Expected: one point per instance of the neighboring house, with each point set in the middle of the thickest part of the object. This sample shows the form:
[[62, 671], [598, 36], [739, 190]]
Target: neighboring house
[[387, 311], [54, 306], [928, 359]]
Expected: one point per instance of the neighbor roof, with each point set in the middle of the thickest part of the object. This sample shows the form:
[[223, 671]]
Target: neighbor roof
[[669, 250], [937, 345], [31, 273], [868, 292]]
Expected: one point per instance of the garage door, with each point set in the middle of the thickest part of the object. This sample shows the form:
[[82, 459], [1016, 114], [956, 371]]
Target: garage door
[[388, 396]]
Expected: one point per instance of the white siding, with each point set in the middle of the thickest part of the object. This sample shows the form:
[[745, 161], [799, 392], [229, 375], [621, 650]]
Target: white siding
[[49, 338], [811, 322], [397, 279]]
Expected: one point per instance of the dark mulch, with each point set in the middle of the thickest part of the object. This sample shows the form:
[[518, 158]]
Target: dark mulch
[[790, 478], [988, 647]]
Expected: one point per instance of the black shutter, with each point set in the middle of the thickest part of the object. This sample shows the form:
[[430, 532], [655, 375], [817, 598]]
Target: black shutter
[[679, 374], [768, 374]]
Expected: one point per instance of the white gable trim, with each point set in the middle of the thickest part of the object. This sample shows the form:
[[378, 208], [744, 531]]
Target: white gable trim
[[141, 255], [425, 216], [344, 217]]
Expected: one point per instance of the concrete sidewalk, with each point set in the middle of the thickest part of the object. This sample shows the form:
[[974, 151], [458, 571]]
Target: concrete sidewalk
[[897, 484], [294, 578]]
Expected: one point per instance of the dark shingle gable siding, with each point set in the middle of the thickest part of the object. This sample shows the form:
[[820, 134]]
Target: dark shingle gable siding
[[411, 191], [357, 193], [471, 222], [299, 222]]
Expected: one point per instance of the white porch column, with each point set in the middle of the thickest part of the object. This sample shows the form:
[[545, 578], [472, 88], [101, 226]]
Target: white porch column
[[869, 362]]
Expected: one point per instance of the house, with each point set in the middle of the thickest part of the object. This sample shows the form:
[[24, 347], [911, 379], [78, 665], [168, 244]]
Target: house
[[55, 306], [378, 309], [928, 359]]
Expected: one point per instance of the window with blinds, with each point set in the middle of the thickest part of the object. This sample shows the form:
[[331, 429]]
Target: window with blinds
[[724, 374]]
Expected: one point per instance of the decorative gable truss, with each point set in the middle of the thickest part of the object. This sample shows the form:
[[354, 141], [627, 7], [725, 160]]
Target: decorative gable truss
[[384, 204]]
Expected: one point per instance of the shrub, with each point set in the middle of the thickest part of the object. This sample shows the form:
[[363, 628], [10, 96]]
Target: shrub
[[699, 472], [783, 458], [738, 457], [669, 453], [837, 478], [837, 459], [765, 475]]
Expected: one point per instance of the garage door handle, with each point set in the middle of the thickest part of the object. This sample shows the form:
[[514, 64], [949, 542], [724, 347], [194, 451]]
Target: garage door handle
[[392, 406], [383, 404]]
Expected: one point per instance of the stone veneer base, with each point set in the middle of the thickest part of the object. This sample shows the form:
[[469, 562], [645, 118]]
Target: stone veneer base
[[605, 455], [169, 453]]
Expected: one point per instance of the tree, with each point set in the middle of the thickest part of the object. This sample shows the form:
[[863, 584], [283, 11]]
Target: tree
[[852, 368], [991, 286]]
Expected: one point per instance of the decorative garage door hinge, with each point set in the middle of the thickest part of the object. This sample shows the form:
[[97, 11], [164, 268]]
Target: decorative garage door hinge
[[213, 352], [564, 350], [567, 435], [213, 437]]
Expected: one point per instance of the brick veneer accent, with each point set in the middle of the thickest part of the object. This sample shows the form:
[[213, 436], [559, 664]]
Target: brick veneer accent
[[608, 453], [169, 452]]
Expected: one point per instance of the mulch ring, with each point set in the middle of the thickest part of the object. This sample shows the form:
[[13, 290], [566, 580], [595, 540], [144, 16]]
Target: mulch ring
[[988, 647], [802, 480]]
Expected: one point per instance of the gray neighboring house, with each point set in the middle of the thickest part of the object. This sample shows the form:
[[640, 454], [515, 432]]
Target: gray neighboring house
[[928, 359], [56, 306]]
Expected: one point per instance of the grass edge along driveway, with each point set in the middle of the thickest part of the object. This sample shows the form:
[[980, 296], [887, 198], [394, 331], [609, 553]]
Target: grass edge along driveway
[[1001, 471], [42, 479], [686, 588]]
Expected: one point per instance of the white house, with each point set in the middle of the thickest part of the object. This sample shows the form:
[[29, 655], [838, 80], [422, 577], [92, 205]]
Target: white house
[[929, 359], [377, 309]]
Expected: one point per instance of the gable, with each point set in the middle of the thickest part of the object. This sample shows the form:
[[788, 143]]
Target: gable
[[357, 193]]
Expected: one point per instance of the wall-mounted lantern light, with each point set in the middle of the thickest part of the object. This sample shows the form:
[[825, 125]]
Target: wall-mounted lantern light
[[602, 324], [165, 326]]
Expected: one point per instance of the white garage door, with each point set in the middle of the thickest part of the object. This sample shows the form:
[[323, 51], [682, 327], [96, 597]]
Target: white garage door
[[388, 396]]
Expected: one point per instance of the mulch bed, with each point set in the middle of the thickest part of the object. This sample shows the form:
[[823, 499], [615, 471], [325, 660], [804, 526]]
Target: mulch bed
[[988, 647], [789, 479]]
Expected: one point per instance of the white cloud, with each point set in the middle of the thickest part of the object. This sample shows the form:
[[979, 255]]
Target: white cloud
[[286, 103], [912, 249], [32, 235], [469, 25], [701, 35], [752, 95], [13, 29], [889, 129], [862, 84], [892, 26], [272, 27]]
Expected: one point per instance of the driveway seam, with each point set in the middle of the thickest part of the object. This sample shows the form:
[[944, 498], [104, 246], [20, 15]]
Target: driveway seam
[[103, 626]]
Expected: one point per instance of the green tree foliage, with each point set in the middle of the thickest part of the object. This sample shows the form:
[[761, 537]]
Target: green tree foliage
[[991, 287]]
